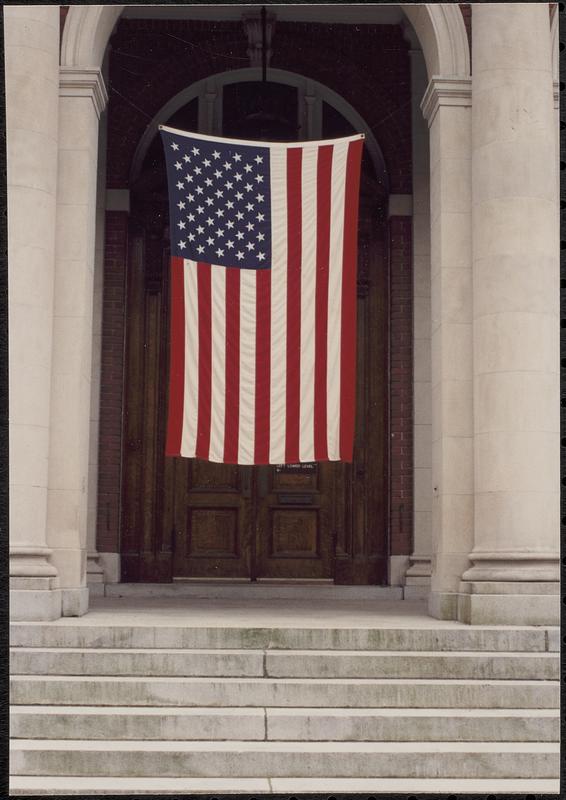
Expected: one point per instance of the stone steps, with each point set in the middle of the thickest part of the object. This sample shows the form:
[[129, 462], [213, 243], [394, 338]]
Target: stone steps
[[168, 636], [282, 692], [244, 759], [281, 724], [142, 708], [293, 663], [25, 785]]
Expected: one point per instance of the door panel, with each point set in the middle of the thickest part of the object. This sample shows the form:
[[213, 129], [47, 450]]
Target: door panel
[[293, 533]]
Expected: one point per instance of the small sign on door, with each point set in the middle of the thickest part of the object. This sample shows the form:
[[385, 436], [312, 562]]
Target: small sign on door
[[296, 469]]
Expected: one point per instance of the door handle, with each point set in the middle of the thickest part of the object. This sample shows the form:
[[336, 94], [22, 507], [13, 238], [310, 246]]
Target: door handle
[[263, 481], [246, 473]]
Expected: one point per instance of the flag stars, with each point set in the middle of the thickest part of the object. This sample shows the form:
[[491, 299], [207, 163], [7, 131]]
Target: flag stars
[[200, 209], [229, 185], [229, 244], [210, 221], [259, 198], [200, 249], [260, 237], [260, 217], [198, 170], [258, 159], [248, 167], [178, 165], [238, 176], [227, 165], [209, 181], [210, 241], [200, 230], [189, 178], [182, 245], [186, 158], [209, 201], [239, 255], [190, 198], [239, 235], [219, 212], [219, 232], [239, 196], [219, 252], [260, 256], [216, 154], [180, 205], [191, 217], [180, 185], [191, 237], [237, 157], [199, 190], [217, 174], [195, 151], [207, 162], [248, 187], [181, 225], [250, 246], [249, 206], [259, 178], [219, 193], [250, 226], [230, 205], [174, 145]]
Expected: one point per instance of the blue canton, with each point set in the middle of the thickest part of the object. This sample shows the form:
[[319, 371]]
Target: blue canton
[[219, 201]]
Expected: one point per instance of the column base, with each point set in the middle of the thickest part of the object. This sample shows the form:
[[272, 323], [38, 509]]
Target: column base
[[74, 602], [417, 578], [509, 603], [34, 605], [443, 605]]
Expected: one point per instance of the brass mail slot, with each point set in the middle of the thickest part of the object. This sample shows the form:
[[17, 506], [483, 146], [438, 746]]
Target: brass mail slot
[[295, 499]]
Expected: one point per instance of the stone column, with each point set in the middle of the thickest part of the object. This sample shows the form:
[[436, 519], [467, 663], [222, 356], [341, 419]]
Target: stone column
[[82, 98], [446, 106], [417, 578], [516, 321], [94, 570], [32, 72]]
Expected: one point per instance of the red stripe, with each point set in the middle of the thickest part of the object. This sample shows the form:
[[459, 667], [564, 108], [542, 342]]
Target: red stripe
[[232, 398], [348, 327], [262, 366], [324, 178], [294, 246], [177, 359], [204, 360]]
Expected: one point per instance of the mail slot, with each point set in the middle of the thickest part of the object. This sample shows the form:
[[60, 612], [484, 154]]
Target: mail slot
[[295, 499]]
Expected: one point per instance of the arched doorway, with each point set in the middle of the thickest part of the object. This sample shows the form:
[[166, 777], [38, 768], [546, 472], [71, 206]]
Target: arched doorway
[[190, 519]]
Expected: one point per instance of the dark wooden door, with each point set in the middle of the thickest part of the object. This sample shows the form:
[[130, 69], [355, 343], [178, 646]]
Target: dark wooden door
[[186, 518]]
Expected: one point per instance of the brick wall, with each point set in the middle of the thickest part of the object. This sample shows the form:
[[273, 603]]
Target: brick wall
[[112, 378], [401, 385]]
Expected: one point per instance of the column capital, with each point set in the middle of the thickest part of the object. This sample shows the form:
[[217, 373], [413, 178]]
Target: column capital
[[445, 92], [84, 82]]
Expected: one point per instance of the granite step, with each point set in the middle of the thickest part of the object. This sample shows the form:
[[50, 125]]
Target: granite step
[[282, 692], [243, 759], [280, 724]]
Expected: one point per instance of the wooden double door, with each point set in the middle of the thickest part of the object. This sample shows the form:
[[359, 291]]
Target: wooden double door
[[191, 519]]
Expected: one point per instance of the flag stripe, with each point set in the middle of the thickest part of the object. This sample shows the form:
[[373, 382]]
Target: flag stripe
[[263, 364], [190, 413], [349, 324], [204, 360], [294, 247], [278, 398], [324, 173], [232, 366], [177, 359], [335, 300], [247, 365], [308, 302], [218, 370]]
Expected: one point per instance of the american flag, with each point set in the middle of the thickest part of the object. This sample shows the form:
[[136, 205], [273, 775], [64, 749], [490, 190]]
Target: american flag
[[263, 298]]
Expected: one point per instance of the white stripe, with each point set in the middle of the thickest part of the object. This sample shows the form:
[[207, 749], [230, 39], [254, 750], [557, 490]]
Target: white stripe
[[218, 355], [308, 303], [339, 161], [278, 378], [190, 414], [247, 366]]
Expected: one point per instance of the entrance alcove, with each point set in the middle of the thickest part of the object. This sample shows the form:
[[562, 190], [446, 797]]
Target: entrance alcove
[[188, 519]]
